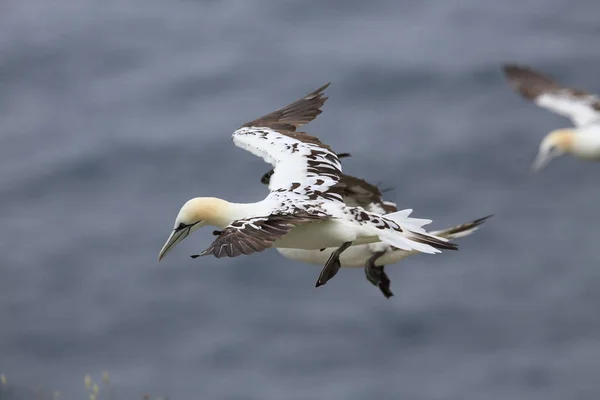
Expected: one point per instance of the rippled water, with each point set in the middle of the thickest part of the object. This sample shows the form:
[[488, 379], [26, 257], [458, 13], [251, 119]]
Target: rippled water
[[113, 113]]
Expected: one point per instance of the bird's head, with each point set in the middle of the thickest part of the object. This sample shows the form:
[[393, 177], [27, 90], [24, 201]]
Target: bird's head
[[194, 214], [555, 144]]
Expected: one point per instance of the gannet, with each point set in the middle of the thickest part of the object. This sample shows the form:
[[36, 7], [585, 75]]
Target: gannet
[[304, 208], [582, 141], [373, 256]]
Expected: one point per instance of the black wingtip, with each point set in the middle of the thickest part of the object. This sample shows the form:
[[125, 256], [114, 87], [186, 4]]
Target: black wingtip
[[467, 227], [433, 242], [476, 222], [482, 220], [195, 256], [516, 71], [511, 68], [529, 82], [318, 92], [325, 86]]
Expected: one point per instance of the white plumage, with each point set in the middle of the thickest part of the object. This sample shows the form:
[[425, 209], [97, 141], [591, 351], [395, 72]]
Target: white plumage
[[304, 208], [303, 183], [582, 108], [373, 256]]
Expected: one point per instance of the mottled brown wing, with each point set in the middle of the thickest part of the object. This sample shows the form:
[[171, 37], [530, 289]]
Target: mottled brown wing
[[305, 168], [529, 83], [356, 192], [247, 236], [294, 115], [580, 106], [266, 178]]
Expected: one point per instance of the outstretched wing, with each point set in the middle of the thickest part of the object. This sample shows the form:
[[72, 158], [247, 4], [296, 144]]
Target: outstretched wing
[[357, 192], [304, 167], [295, 115], [581, 107], [266, 178], [251, 235]]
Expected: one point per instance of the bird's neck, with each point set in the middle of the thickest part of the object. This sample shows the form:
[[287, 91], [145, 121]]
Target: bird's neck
[[234, 211], [586, 145]]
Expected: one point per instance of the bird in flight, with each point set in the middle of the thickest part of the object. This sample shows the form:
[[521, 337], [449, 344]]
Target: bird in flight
[[583, 109], [305, 206]]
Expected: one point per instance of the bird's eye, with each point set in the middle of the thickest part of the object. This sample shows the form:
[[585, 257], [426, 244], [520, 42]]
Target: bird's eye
[[181, 226]]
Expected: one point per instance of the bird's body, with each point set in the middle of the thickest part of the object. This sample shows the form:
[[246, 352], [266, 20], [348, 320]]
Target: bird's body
[[585, 142], [581, 141], [352, 224], [358, 255], [373, 257], [316, 233]]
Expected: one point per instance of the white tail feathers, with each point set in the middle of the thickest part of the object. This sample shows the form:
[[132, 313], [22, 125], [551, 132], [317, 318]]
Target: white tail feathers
[[413, 236], [411, 224], [404, 241]]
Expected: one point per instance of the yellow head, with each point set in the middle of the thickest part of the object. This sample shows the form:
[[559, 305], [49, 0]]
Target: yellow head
[[194, 214], [555, 144]]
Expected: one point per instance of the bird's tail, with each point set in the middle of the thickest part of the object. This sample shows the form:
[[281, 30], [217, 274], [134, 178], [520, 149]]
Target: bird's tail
[[412, 236], [461, 230]]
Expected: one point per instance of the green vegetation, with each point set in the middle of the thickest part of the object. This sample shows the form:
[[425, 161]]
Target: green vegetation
[[93, 391]]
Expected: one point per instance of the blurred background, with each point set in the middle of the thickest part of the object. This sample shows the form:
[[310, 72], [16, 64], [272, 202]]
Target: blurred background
[[114, 113]]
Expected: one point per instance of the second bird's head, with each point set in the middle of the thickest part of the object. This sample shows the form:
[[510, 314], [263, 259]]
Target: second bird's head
[[555, 144]]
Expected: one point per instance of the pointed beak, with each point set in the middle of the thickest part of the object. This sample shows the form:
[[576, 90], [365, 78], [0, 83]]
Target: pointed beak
[[541, 161], [175, 237]]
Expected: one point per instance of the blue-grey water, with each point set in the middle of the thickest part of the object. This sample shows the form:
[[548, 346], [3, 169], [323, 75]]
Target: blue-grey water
[[114, 113]]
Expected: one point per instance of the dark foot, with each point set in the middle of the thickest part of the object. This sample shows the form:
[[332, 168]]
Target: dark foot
[[332, 266], [266, 178], [377, 276]]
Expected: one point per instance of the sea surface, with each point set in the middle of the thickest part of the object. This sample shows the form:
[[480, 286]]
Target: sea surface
[[113, 113]]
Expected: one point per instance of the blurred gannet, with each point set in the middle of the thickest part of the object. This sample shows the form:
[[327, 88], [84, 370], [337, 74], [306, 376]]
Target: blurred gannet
[[582, 141], [304, 208], [373, 256]]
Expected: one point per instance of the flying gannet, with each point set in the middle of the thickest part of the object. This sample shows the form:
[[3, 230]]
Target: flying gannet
[[304, 208], [582, 141], [373, 256]]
